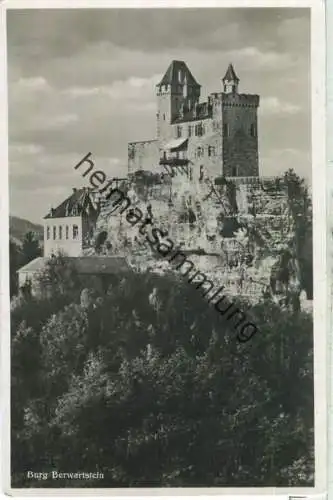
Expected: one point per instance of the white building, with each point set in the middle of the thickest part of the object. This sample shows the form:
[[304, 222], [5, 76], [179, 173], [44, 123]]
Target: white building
[[69, 228]]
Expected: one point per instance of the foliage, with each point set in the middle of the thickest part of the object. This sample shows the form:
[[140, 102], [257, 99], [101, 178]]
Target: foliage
[[300, 207], [148, 385], [15, 262], [30, 248], [21, 255]]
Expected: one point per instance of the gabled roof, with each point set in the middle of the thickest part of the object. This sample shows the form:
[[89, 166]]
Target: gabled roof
[[78, 203], [230, 74], [171, 75]]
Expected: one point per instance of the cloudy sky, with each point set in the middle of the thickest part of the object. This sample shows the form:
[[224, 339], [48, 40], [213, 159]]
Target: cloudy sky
[[83, 80]]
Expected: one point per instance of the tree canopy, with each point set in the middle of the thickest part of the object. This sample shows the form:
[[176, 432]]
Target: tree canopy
[[148, 385]]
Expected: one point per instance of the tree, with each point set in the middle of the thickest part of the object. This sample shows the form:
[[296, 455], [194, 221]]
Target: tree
[[15, 262], [300, 207], [30, 248], [149, 385]]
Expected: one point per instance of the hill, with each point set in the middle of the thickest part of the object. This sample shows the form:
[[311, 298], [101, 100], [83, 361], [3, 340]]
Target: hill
[[19, 227]]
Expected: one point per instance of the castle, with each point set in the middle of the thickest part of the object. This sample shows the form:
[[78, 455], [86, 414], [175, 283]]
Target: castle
[[218, 137], [198, 181]]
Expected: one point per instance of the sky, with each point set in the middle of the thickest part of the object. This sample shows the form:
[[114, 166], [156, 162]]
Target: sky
[[83, 80]]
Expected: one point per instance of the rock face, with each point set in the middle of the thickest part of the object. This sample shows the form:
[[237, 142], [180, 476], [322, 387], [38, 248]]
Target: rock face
[[232, 229]]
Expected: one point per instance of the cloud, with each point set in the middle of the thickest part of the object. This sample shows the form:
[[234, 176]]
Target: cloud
[[84, 80], [274, 106], [37, 83]]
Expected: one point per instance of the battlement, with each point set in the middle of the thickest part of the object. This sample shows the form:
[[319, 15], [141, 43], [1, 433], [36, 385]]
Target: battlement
[[242, 100]]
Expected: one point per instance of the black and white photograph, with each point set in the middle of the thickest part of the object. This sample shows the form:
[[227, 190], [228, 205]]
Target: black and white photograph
[[161, 264]]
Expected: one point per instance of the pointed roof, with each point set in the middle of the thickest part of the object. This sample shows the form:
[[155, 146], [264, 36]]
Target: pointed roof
[[75, 205], [231, 74], [171, 75]]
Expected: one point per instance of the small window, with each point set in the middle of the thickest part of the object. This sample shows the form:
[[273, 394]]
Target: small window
[[60, 232], [211, 151], [226, 129], [179, 131], [164, 116], [67, 232], [75, 232], [189, 131], [253, 131], [54, 232], [199, 152], [48, 232], [234, 171]]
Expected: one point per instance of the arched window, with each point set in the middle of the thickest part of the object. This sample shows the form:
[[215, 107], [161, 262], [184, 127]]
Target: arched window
[[48, 232], [54, 232], [67, 232], [60, 232], [75, 232]]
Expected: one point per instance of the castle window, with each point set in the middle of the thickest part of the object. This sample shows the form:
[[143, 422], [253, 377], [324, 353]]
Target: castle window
[[48, 232], [67, 232], [54, 233], [179, 131], [199, 152], [75, 232], [225, 129], [189, 131], [200, 129], [253, 131], [60, 232], [211, 151]]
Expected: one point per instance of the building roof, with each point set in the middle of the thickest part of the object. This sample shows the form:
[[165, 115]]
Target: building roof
[[33, 266], [176, 144], [84, 265], [78, 203], [230, 74], [172, 74]]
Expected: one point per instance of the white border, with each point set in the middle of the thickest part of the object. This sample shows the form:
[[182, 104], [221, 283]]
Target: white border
[[319, 238]]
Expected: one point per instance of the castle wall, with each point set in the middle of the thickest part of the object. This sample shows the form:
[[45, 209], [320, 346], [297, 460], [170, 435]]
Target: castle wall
[[143, 155]]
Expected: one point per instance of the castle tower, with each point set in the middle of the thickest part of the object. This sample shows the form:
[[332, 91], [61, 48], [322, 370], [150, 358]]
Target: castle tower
[[239, 129], [177, 93], [230, 80]]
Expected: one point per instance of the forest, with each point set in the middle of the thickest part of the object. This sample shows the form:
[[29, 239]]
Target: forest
[[147, 384]]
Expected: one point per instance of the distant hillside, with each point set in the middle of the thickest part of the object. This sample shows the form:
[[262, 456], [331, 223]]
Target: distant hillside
[[19, 227]]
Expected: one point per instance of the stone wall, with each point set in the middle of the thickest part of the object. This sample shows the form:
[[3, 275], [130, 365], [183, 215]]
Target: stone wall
[[143, 155]]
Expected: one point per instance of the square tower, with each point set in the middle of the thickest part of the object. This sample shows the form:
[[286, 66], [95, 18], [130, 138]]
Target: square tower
[[239, 129]]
